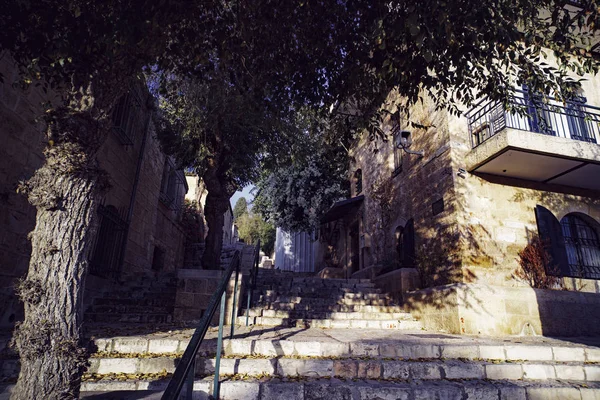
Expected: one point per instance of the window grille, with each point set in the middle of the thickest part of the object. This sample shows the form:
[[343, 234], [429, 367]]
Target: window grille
[[108, 248], [172, 181], [127, 117], [582, 246]]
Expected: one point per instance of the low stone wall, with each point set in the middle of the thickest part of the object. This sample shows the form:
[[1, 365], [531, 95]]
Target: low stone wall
[[496, 310], [195, 288], [398, 282]]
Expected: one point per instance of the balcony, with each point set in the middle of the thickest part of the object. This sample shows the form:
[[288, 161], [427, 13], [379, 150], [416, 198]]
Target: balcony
[[536, 139]]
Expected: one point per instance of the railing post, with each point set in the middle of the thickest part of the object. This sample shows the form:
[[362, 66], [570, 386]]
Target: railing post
[[233, 305], [189, 390], [219, 347]]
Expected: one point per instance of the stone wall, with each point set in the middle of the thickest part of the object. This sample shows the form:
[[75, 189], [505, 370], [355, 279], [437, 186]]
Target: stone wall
[[152, 223], [498, 310]]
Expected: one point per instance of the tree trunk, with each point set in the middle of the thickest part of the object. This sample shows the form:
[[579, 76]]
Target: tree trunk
[[217, 203], [65, 192]]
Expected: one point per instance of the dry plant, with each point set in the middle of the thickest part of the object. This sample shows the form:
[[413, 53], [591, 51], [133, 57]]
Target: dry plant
[[537, 267]]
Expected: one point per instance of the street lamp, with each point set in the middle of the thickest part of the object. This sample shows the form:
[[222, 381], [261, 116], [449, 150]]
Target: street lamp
[[403, 140]]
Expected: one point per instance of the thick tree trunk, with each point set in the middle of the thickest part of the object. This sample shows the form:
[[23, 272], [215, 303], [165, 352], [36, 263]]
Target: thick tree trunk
[[217, 203], [65, 192]]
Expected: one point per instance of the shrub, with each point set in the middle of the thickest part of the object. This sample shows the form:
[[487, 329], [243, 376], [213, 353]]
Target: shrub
[[537, 267]]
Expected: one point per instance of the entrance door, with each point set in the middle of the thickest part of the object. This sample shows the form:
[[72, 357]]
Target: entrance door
[[354, 249]]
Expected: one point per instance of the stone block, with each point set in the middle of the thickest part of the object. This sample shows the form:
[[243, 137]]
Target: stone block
[[425, 351], [553, 393], [156, 365], [364, 349], [238, 347], [529, 353], [309, 368], [320, 391], [589, 394], [369, 369], [463, 370], [239, 390], [569, 372], [480, 392], [592, 372], [592, 354], [117, 365], [492, 352], [566, 354], [107, 386], [512, 392], [163, 345], [538, 371], [452, 351], [425, 371], [345, 369], [307, 348], [334, 349], [134, 345], [504, 371], [380, 392], [446, 392], [396, 370], [271, 390]]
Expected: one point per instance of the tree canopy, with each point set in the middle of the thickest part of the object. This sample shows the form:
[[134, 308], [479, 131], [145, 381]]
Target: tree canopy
[[240, 208]]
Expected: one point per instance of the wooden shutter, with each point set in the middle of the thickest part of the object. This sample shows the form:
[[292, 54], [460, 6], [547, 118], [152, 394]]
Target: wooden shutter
[[550, 231], [408, 245]]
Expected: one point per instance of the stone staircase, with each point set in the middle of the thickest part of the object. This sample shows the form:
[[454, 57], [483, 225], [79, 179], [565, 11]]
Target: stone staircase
[[145, 299], [291, 299], [356, 364]]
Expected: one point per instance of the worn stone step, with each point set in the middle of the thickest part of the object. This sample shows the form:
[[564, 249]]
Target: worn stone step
[[338, 389], [328, 323], [111, 317], [324, 301], [310, 314], [331, 308], [316, 291], [286, 285], [130, 309]]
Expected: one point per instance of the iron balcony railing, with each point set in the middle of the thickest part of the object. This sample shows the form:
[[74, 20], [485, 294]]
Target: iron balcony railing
[[534, 113]]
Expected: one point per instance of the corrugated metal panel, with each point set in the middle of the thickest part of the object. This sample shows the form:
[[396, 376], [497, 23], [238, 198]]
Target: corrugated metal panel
[[295, 251]]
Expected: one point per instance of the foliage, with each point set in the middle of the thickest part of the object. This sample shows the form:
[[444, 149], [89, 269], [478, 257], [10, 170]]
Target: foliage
[[240, 208], [536, 266], [252, 227], [294, 197], [192, 222]]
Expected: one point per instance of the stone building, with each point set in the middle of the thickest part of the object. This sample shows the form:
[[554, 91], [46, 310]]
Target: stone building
[[139, 231], [452, 221]]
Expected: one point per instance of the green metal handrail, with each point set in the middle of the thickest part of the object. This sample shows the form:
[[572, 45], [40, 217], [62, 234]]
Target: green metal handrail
[[186, 367], [253, 275]]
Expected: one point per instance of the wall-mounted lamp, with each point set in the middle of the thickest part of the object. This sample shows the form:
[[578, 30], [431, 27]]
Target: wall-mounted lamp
[[403, 140]]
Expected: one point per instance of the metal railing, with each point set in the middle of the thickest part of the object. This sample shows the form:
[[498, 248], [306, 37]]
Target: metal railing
[[530, 112], [186, 368], [253, 275]]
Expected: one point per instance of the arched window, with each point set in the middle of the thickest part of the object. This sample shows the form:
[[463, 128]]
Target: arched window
[[582, 245]]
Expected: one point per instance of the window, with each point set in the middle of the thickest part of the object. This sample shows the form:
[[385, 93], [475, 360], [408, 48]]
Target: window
[[106, 257], [358, 182], [582, 246], [576, 120], [170, 186], [127, 117], [573, 243], [397, 155], [538, 110]]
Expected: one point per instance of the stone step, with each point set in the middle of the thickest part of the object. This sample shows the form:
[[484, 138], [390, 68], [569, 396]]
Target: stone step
[[325, 301], [328, 323], [337, 389], [319, 343], [299, 314], [278, 284], [330, 308], [346, 368], [111, 317], [150, 302], [130, 309]]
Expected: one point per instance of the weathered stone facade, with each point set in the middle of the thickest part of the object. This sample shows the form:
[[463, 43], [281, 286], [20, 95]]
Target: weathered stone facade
[[145, 195], [469, 226]]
